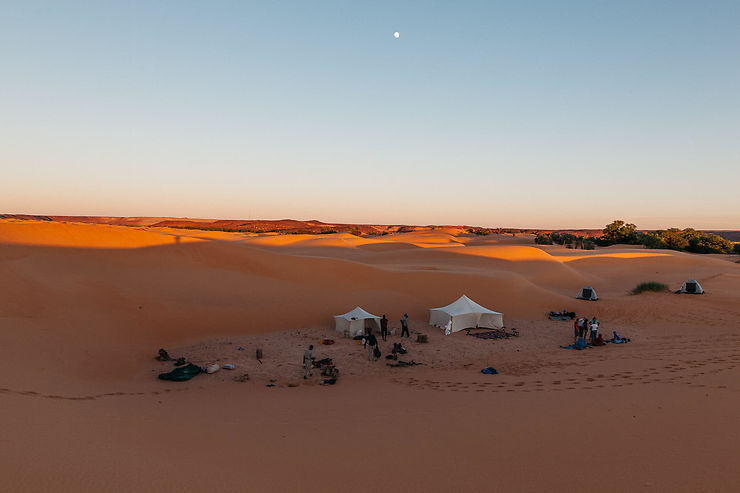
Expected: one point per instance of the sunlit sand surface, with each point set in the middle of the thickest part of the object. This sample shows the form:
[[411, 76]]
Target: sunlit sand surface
[[84, 308]]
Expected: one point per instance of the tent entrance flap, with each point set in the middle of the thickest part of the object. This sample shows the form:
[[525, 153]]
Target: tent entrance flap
[[690, 287]]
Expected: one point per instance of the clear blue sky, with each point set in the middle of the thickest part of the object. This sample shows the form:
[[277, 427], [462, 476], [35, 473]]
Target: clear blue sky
[[530, 114]]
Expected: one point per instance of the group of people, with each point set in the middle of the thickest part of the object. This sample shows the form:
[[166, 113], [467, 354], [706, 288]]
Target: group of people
[[369, 340], [584, 328], [384, 326]]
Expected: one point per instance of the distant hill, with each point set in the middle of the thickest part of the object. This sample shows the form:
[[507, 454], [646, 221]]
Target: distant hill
[[293, 226]]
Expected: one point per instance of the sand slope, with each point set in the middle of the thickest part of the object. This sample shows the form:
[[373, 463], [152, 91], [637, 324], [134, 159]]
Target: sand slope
[[84, 307]]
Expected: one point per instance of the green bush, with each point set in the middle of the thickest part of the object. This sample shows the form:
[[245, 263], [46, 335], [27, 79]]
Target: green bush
[[688, 240], [543, 239], [736, 248], [620, 232], [650, 286], [589, 244]]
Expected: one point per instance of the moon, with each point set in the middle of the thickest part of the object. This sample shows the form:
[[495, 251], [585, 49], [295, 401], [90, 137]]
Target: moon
[[396, 34]]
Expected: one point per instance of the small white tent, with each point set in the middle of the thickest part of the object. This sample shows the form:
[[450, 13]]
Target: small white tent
[[356, 321], [587, 293], [691, 286], [465, 313]]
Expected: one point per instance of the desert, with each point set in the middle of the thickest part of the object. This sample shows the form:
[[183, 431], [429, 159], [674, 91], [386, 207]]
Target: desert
[[86, 306], [390, 246]]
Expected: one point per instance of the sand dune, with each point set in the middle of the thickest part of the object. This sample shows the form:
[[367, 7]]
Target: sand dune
[[84, 307]]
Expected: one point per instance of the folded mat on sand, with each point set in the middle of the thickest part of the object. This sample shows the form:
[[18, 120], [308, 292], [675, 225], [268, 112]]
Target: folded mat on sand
[[182, 373], [403, 364], [489, 371], [493, 334]]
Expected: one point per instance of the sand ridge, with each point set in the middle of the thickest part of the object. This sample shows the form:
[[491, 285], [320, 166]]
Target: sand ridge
[[84, 307]]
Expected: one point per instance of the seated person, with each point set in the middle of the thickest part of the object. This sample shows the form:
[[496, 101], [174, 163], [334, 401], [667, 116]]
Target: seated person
[[580, 343], [619, 340]]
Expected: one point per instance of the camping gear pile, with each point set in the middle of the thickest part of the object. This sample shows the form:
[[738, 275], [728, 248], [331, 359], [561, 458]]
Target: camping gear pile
[[493, 334], [182, 373], [564, 315], [403, 364]]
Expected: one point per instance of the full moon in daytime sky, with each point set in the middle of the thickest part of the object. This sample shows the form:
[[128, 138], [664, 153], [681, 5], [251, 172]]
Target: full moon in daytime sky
[[396, 35]]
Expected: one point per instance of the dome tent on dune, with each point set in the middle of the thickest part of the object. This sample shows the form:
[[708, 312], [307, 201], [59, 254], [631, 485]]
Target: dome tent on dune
[[691, 286], [587, 293]]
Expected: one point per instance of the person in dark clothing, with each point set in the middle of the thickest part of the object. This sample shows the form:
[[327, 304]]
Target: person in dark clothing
[[582, 322], [307, 362], [384, 328], [372, 343], [405, 325]]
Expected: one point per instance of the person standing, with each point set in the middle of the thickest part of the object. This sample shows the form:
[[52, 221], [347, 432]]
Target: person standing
[[372, 343], [576, 326], [384, 328], [307, 362], [594, 329], [405, 325]]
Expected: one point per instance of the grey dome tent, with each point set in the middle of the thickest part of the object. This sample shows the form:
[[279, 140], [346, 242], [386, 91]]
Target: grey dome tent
[[587, 293], [691, 286]]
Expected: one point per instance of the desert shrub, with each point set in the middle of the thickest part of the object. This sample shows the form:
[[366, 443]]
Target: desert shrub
[[562, 238], [652, 240], [736, 248], [709, 243], [589, 244], [650, 286], [620, 232], [569, 245], [543, 239]]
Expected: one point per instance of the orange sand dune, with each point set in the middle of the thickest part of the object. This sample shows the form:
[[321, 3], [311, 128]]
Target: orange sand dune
[[84, 307], [60, 234]]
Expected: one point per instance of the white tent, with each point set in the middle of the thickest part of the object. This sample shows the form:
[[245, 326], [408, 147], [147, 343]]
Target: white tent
[[587, 293], [356, 321], [465, 313], [691, 286]]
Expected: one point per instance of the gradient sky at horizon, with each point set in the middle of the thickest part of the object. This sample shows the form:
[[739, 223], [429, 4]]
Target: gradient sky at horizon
[[512, 114]]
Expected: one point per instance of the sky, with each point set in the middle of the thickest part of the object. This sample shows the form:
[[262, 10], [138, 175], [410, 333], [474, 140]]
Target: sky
[[504, 114]]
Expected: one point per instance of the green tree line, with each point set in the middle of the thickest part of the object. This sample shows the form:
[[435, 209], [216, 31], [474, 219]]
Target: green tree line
[[620, 232]]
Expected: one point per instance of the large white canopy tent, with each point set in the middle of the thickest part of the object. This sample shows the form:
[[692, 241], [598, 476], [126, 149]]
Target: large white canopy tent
[[691, 286], [463, 314], [587, 293], [356, 321]]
